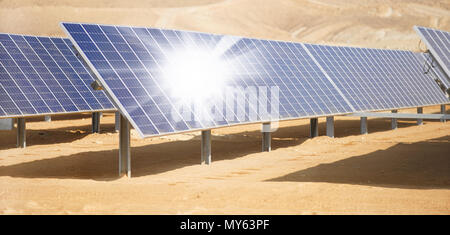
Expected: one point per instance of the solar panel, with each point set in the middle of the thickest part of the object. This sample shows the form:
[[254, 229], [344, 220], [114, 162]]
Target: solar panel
[[430, 66], [149, 72], [438, 42], [42, 76], [376, 79]]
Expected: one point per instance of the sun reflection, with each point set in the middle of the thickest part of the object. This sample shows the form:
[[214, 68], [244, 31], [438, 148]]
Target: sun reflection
[[196, 75]]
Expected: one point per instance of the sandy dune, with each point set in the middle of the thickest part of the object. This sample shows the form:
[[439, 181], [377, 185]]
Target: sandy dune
[[67, 170], [382, 24]]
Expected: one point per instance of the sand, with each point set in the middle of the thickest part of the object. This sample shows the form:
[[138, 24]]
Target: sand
[[67, 170]]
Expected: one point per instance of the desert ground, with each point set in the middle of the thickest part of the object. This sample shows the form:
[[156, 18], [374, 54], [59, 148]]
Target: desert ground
[[65, 169]]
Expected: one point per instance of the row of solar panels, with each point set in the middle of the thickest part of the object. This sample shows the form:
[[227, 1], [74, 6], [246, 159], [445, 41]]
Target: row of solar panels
[[41, 75]]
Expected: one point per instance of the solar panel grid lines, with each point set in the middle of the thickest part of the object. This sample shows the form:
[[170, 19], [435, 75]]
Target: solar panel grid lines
[[209, 119], [323, 87], [49, 69], [388, 84], [411, 66], [376, 79], [402, 71], [234, 116], [82, 104], [399, 71], [431, 66], [253, 81], [282, 66], [287, 106], [102, 102], [422, 82], [344, 96], [6, 103], [21, 101], [438, 42], [143, 115], [339, 102], [331, 69], [245, 58], [298, 104], [38, 78], [163, 128]]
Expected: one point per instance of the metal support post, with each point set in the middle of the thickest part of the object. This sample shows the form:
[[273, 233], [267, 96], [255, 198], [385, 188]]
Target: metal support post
[[48, 118], [124, 147], [364, 129], [314, 127], [21, 133], [420, 120], [96, 122], [266, 137], [394, 121], [330, 126], [206, 147], [443, 111]]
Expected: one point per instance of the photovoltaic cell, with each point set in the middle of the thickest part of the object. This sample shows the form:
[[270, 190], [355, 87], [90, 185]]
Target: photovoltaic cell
[[135, 66], [432, 67], [376, 79], [42, 75], [438, 42]]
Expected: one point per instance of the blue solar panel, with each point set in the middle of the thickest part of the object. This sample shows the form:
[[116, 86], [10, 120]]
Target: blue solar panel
[[42, 75], [135, 66], [375, 79], [438, 42], [431, 66]]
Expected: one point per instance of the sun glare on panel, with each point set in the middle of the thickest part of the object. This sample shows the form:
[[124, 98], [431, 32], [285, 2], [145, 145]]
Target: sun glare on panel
[[195, 75]]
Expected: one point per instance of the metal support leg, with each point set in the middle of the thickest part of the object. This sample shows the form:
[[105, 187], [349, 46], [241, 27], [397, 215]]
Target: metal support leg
[[314, 127], [21, 133], [206, 147], [394, 121], [124, 148], [330, 127], [364, 129], [420, 120], [266, 137], [117, 119], [48, 118], [96, 122], [443, 111]]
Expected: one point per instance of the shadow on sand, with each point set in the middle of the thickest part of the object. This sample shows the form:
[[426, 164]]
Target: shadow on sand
[[163, 157], [422, 165]]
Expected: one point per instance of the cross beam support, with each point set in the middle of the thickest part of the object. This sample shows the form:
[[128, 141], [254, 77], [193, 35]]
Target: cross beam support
[[21, 133], [400, 115], [206, 147], [330, 127], [266, 137], [364, 129], [314, 127], [96, 122], [394, 121], [124, 147]]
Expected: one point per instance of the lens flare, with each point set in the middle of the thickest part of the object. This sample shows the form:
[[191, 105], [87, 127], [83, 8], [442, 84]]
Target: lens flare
[[195, 76]]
